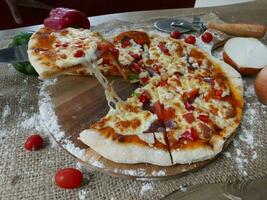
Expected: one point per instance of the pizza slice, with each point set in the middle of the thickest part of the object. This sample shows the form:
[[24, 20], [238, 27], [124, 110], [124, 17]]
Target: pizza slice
[[71, 51], [131, 133], [133, 54]]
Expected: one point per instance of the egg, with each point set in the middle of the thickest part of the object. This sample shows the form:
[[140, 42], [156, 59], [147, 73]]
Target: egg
[[260, 86]]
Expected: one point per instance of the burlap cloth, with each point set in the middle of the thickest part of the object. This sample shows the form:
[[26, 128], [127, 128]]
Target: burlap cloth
[[30, 175]]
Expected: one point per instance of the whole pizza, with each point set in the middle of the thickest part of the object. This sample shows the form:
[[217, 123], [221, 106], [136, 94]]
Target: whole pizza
[[187, 105]]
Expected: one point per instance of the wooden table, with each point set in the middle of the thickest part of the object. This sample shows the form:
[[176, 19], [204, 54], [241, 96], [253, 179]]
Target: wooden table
[[252, 12]]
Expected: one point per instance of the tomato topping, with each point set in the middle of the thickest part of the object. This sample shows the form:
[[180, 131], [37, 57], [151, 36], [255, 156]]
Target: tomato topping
[[144, 80], [164, 49], [136, 67], [144, 97], [193, 95], [134, 55], [188, 106], [206, 37], [204, 118], [60, 18], [79, 53], [69, 178], [106, 61], [158, 109], [33, 142], [168, 113], [190, 135], [189, 117], [218, 94], [115, 52], [162, 84], [190, 39], [125, 41], [176, 34]]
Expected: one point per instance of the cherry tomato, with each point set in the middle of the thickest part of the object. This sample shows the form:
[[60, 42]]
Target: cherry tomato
[[164, 49], [136, 67], [169, 113], [69, 178], [189, 117], [144, 80], [206, 37], [190, 39], [33, 142], [176, 34], [204, 118]]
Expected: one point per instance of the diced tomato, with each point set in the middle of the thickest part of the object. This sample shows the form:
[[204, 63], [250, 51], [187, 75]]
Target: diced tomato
[[115, 52], [188, 106], [144, 80], [125, 42], [193, 95], [218, 94], [157, 68], [136, 67], [162, 84], [189, 117], [134, 55], [164, 49], [106, 61], [79, 53], [158, 109], [144, 97], [190, 39], [168, 113], [194, 133], [204, 118]]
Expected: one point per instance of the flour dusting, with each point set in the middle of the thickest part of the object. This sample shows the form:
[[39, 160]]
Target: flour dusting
[[6, 112], [147, 187]]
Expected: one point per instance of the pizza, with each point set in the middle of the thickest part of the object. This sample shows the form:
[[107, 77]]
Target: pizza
[[187, 106], [183, 113], [71, 51]]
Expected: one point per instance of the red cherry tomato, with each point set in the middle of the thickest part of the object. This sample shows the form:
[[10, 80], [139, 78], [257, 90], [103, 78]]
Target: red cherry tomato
[[206, 37], [176, 34], [69, 178], [34, 142], [79, 53], [144, 80], [190, 39]]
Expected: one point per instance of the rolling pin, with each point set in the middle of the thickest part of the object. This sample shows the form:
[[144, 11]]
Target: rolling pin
[[241, 30]]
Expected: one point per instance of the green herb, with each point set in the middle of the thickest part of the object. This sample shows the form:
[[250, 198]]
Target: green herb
[[23, 67], [134, 78]]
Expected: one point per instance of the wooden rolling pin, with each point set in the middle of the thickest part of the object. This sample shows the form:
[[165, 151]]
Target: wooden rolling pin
[[241, 30]]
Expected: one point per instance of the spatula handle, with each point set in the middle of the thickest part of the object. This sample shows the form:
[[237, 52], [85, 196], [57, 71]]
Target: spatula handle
[[242, 30]]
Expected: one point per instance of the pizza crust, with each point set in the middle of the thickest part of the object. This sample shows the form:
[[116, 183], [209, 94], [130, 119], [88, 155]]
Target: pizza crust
[[124, 152]]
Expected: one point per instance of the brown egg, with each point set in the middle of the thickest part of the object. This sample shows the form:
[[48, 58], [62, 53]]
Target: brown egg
[[260, 86]]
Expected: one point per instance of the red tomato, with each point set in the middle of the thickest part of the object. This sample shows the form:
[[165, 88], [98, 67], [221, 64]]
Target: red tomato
[[134, 55], [136, 67], [190, 39], [162, 84], [34, 142], [164, 49], [79, 53], [168, 114], [144, 97], [144, 80], [189, 117], [176, 34], [204, 118], [115, 52], [206, 37], [158, 109], [69, 178], [218, 94]]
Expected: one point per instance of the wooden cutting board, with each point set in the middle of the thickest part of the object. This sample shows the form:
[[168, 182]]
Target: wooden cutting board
[[80, 101]]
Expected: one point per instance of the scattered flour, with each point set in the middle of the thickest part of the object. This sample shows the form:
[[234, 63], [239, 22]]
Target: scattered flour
[[82, 194], [6, 112], [146, 188], [183, 188]]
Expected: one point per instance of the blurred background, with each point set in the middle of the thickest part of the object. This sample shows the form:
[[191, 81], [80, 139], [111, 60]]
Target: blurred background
[[31, 12]]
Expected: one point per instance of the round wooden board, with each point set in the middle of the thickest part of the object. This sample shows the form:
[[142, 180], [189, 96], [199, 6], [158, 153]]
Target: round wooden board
[[80, 101]]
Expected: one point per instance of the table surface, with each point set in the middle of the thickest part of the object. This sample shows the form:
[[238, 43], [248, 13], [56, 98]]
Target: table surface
[[252, 12]]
